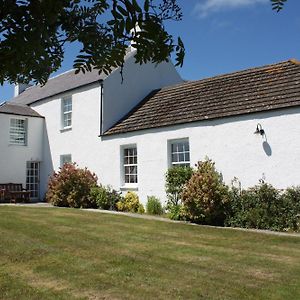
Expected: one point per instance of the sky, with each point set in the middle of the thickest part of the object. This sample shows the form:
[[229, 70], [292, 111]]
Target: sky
[[223, 36]]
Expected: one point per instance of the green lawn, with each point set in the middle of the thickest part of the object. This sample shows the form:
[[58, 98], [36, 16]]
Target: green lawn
[[51, 253]]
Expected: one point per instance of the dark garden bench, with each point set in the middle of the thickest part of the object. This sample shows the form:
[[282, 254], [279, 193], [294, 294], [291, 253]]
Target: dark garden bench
[[13, 192]]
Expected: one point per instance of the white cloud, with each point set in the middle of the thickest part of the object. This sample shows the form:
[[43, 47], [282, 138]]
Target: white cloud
[[206, 7]]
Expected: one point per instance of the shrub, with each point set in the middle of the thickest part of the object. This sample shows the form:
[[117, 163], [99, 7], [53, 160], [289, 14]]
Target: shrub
[[130, 203], [154, 206], [205, 196], [70, 187], [291, 213], [176, 178], [263, 207], [176, 212], [105, 197], [141, 209]]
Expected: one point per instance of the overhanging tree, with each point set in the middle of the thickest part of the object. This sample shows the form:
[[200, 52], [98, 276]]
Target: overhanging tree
[[33, 34], [278, 4]]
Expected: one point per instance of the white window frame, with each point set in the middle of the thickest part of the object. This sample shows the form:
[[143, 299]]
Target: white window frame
[[65, 158], [15, 131], [184, 153], [129, 164], [66, 112]]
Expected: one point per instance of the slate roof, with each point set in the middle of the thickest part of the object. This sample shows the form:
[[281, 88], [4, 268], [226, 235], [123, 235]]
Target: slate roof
[[17, 109], [253, 90], [59, 84], [56, 85]]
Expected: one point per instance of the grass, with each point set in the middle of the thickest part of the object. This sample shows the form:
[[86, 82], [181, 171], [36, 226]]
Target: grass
[[51, 253]]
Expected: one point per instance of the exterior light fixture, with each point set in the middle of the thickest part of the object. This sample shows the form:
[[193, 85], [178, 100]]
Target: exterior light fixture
[[259, 130]]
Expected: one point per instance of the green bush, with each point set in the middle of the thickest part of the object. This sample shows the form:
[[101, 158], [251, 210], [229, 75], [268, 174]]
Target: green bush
[[176, 212], [205, 196], [264, 207], [70, 187], [291, 213], [154, 206], [141, 209], [130, 203], [255, 207], [176, 178], [105, 197]]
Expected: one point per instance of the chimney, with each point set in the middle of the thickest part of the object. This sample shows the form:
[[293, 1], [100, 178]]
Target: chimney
[[20, 88], [137, 29]]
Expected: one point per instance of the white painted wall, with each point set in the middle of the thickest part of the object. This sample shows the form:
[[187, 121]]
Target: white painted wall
[[83, 141], [139, 80], [230, 142], [13, 158]]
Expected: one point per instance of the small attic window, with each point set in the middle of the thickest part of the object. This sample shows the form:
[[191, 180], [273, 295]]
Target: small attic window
[[18, 132]]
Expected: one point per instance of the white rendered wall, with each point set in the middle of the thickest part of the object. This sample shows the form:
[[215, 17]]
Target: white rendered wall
[[139, 80], [13, 158], [83, 141], [229, 142]]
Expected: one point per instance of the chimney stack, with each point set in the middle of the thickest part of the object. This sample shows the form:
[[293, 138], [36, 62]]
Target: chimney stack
[[132, 31], [20, 88]]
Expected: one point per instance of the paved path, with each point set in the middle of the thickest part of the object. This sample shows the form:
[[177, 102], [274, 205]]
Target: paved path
[[156, 218]]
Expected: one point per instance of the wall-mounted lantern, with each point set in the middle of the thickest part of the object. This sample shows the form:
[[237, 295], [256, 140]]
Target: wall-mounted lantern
[[259, 130]]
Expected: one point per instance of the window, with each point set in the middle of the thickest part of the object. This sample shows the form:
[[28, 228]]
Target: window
[[18, 132], [66, 158], [67, 112], [33, 178], [180, 152], [130, 165]]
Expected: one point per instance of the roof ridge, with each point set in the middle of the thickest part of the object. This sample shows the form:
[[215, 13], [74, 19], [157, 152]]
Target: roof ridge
[[73, 70], [230, 74], [259, 89]]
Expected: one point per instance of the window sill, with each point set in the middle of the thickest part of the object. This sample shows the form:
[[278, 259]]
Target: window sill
[[129, 187], [12, 145], [66, 129]]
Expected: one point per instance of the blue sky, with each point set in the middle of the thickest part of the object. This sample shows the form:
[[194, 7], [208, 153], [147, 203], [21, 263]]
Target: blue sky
[[223, 36]]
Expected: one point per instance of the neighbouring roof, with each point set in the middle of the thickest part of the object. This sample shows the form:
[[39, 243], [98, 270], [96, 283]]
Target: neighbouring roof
[[56, 85], [59, 84], [17, 109], [253, 90]]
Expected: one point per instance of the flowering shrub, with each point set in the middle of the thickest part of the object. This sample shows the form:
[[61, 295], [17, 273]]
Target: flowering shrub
[[205, 196], [130, 203], [70, 187]]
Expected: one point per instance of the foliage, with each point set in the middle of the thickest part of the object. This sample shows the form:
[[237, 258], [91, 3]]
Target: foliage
[[205, 196], [264, 207], [176, 212], [33, 35], [154, 206], [176, 178], [105, 197], [291, 204], [130, 203], [253, 208], [70, 187], [141, 209], [278, 4]]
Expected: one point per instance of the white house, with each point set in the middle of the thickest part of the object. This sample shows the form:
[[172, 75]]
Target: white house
[[130, 133]]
